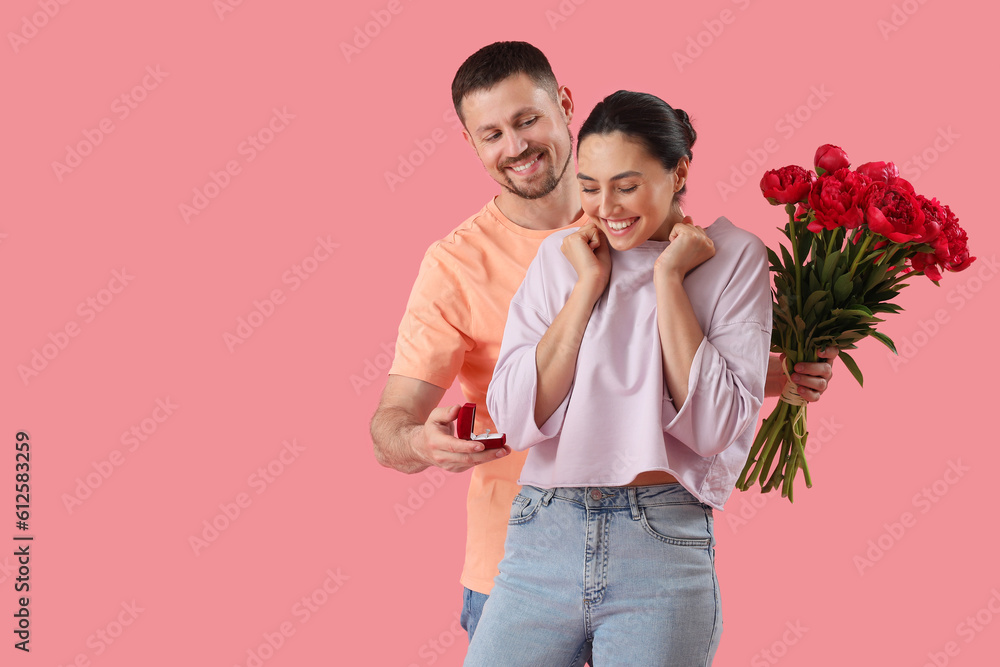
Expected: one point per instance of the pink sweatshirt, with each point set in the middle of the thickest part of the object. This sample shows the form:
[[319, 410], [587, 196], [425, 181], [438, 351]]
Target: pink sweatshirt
[[617, 419]]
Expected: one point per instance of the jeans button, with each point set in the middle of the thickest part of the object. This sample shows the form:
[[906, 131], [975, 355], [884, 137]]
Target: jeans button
[[595, 494]]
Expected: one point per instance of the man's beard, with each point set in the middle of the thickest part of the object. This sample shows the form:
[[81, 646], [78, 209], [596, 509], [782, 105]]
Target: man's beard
[[548, 183]]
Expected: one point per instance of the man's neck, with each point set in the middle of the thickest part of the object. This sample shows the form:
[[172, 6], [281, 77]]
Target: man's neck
[[559, 208]]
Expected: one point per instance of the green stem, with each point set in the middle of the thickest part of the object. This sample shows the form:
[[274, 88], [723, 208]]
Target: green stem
[[864, 247], [794, 238]]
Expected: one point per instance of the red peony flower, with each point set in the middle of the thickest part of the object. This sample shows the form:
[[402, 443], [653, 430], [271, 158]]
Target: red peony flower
[[934, 217], [835, 198], [830, 158], [957, 240], [925, 261], [879, 171], [787, 185], [892, 210]]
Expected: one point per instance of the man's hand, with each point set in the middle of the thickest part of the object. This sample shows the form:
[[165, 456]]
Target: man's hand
[[435, 444], [813, 378], [410, 434]]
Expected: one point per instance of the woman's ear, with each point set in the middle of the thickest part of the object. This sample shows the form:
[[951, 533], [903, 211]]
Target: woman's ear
[[681, 172]]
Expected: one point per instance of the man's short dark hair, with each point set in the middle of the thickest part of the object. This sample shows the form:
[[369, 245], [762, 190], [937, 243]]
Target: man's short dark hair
[[492, 64]]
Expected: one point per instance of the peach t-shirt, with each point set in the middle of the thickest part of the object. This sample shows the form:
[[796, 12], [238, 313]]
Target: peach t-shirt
[[453, 327]]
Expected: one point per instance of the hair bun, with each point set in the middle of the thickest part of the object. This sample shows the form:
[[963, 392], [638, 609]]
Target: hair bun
[[686, 122]]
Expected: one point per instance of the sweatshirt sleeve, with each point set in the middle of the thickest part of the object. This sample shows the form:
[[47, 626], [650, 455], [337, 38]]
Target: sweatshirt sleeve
[[513, 391], [726, 385]]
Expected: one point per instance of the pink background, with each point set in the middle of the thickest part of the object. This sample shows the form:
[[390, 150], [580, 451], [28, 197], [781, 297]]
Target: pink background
[[312, 371]]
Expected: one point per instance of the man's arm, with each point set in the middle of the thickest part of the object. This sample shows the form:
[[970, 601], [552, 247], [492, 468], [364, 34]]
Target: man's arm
[[410, 433], [812, 378]]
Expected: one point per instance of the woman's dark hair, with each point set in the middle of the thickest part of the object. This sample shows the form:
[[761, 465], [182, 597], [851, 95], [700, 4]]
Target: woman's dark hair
[[665, 132], [493, 63]]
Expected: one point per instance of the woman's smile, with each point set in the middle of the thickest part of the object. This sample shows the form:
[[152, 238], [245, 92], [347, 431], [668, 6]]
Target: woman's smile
[[619, 226]]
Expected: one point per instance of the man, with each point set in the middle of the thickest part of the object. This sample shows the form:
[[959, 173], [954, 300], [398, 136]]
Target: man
[[516, 118]]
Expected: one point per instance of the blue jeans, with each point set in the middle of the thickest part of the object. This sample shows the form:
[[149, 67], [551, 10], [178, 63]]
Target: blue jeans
[[625, 574], [472, 609]]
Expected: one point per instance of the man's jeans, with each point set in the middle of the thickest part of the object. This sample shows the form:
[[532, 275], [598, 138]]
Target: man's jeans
[[472, 609]]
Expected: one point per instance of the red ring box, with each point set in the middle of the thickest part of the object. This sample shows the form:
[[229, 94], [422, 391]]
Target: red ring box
[[463, 429]]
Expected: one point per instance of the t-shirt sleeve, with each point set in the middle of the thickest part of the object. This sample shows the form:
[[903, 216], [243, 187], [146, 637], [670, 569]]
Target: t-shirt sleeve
[[726, 385], [434, 332], [513, 391]]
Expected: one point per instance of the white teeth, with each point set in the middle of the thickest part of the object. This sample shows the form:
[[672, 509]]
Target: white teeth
[[527, 165], [618, 226]]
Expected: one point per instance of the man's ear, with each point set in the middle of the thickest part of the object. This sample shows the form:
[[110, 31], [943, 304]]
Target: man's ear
[[565, 98], [468, 140]]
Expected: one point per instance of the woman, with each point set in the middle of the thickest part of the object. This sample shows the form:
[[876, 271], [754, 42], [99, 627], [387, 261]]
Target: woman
[[633, 365]]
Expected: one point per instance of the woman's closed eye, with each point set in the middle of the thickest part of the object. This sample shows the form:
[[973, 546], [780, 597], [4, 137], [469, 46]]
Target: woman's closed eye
[[622, 190]]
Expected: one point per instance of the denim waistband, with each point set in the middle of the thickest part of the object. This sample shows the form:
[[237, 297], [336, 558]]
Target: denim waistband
[[615, 497]]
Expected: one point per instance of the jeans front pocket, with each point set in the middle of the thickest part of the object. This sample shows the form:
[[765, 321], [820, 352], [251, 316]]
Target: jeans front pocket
[[525, 505], [679, 524]]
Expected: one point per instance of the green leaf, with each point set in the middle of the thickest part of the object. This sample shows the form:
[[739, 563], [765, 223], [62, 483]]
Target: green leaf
[[884, 296], [885, 340], [787, 256], [780, 284], [814, 284], [875, 277], [828, 265], [774, 259], [853, 367], [805, 241], [842, 288], [813, 301]]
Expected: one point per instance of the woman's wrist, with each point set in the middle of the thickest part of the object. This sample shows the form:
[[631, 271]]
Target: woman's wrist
[[587, 291], [666, 276]]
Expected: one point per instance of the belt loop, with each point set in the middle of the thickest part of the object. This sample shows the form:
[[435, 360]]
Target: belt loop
[[547, 496], [633, 502]]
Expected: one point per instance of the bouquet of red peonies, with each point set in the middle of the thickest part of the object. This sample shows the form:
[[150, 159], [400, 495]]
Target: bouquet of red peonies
[[854, 237]]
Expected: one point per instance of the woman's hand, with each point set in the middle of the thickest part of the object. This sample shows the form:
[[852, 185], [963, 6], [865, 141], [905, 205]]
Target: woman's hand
[[587, 250], [689, 247]]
